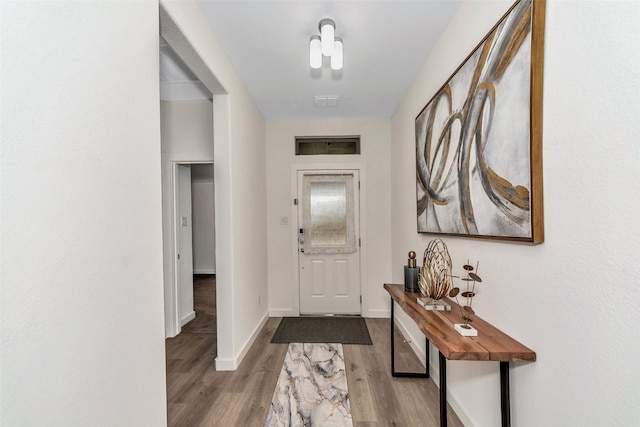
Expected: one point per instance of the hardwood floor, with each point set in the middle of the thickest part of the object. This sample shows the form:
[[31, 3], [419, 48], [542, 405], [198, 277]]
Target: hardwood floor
[[378, 399], [200, 396], [204, 303]]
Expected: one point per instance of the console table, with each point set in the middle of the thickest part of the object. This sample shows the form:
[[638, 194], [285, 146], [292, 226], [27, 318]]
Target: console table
[[491, 344]]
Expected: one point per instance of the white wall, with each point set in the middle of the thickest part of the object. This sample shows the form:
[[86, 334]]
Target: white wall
[[204, 259], [187, 137], [81, 302], [187, 129], [374, 222], [239, 176], [573, 298]]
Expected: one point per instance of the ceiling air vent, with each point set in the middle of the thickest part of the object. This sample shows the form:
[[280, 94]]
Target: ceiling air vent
[[327, 101], [318, 145]]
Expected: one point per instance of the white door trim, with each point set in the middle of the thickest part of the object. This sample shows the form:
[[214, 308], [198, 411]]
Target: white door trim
[[173, 296], [360, 166]]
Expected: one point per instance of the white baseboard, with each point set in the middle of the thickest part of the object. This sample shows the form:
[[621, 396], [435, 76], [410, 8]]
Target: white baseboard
[[188, 318], [204, 271], [377, 314], [226, 364], [232, 364], [282, 313]]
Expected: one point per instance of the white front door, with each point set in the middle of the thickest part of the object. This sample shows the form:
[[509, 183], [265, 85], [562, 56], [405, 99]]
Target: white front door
[[328, 242]]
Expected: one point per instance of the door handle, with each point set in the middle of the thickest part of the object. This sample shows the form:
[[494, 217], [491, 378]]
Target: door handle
[[302, 250]]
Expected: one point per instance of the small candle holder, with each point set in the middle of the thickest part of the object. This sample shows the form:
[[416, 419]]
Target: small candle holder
[[411, 273]]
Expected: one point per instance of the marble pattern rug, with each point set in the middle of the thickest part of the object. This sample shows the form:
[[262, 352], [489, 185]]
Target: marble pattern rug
[[311, 389]]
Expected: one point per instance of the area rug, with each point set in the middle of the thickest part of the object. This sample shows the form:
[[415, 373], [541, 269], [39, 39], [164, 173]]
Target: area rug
[[328, 329], [311, 389]]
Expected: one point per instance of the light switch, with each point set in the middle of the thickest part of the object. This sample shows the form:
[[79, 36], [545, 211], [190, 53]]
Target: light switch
[[184, 221]]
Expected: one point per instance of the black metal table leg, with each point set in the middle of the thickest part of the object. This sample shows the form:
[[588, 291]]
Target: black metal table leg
[[393, 365], [426, 353], [443, 390], [393, 327], [505, 400]]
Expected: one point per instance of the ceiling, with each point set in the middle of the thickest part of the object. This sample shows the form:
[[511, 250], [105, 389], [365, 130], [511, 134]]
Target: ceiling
[[385, 44]]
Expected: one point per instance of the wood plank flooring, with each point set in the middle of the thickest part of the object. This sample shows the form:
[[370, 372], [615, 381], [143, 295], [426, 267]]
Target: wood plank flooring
[[204, 303], [197, 395]]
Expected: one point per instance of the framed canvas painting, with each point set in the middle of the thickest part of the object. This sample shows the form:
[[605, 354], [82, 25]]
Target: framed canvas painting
[[479, 138]]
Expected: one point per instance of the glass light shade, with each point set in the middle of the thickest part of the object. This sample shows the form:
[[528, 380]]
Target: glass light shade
[[327, 33], [336, 56], [315, 52]]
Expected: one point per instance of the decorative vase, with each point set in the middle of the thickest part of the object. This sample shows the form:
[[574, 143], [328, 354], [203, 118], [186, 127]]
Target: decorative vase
[[411, 273]]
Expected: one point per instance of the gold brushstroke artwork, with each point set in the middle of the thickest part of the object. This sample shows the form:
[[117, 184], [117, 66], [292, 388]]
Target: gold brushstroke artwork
[[478, 140]]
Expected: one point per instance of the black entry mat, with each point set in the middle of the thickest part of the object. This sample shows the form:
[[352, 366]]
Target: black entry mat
[[343, 330]]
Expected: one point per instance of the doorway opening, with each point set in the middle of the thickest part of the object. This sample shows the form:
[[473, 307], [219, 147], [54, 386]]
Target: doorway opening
[[194, 349], [203, 250], [185, 41], [194, 247], [203, 346]]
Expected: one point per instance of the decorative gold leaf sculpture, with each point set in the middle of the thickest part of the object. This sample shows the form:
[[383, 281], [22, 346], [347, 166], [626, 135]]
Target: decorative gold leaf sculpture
[[435, 276]]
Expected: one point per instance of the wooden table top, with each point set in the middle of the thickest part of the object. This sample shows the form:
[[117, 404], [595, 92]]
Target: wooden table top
[[490, 344]]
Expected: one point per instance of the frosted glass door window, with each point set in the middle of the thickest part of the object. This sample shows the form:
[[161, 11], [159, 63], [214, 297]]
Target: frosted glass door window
[[328, 202], [328, 214]]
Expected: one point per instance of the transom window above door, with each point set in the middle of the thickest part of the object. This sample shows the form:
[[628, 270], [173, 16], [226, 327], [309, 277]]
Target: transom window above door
[[323, 145]]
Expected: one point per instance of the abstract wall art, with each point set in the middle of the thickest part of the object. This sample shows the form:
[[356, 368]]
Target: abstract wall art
[[479, 138]]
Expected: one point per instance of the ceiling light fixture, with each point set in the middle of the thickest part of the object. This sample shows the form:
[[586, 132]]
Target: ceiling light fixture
[[327, 33], [336, 56], [326, 44], [315, 52]]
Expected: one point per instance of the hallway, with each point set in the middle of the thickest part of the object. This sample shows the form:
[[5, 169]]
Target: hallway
[[198, 395]]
